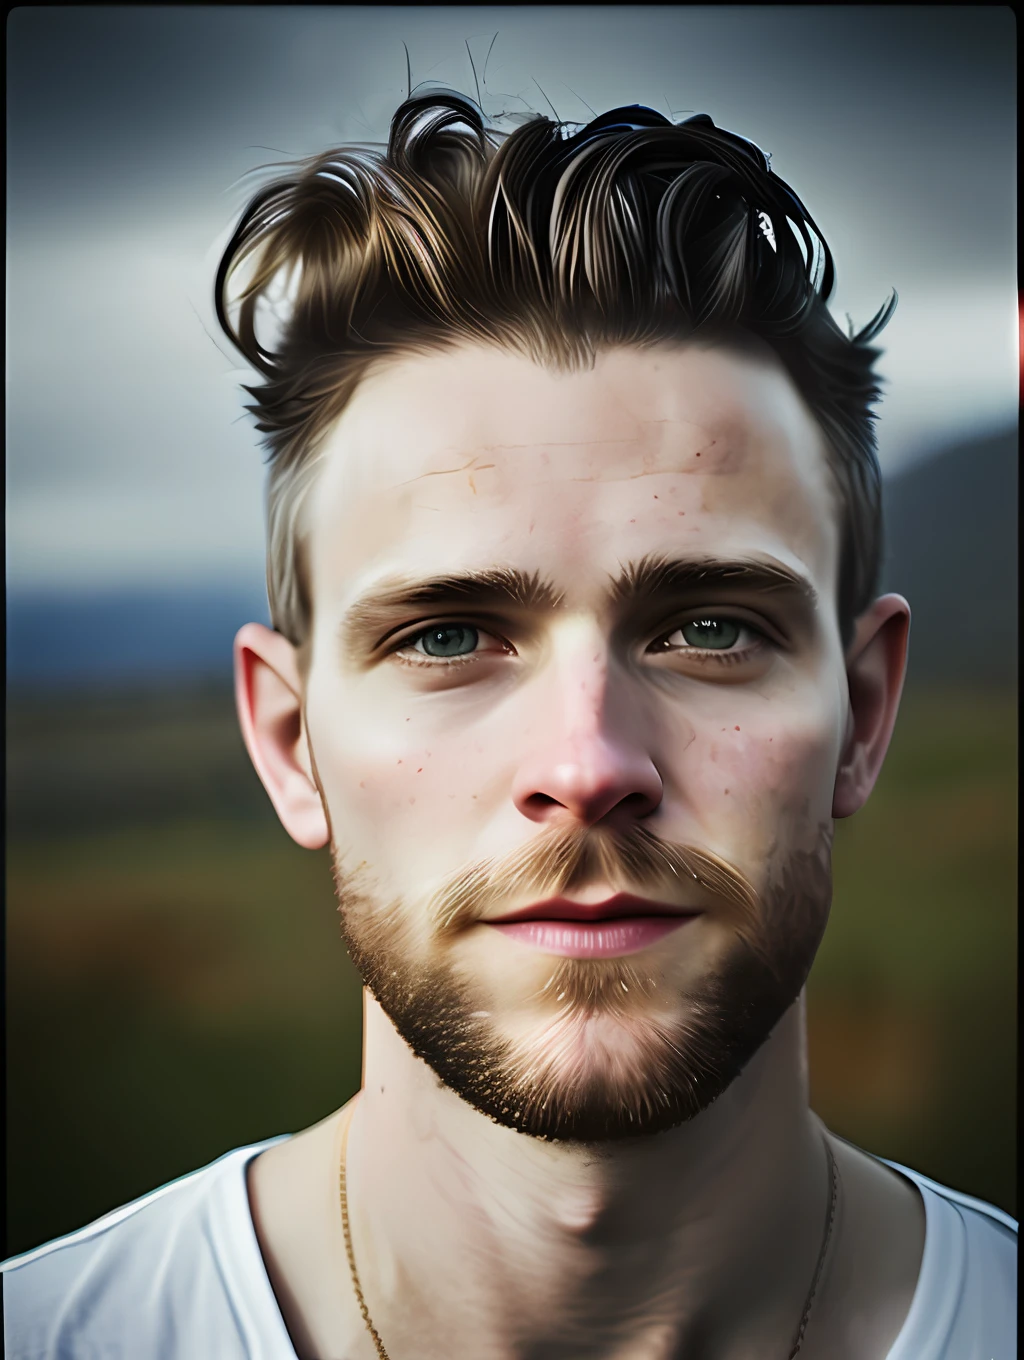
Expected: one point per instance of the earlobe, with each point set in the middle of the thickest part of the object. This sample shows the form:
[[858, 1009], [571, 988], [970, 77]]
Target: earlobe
[[268, 695], [875, 667]]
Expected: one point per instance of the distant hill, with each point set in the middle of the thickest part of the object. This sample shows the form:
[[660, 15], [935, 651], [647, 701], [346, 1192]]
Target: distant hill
[[951, 531], [134, 636], [952, 550]]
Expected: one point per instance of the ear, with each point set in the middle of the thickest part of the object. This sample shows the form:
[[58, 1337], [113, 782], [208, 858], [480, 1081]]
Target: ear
[[876, 663], [268, 694]]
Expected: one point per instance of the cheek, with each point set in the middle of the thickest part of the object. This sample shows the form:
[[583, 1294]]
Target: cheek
[[405, 795], [764, 772]]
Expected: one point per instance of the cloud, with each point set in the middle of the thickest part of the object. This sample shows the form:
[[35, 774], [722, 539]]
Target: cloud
[[950, 364]]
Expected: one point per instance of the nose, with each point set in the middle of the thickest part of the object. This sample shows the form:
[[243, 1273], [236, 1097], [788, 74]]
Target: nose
[[592, 763]]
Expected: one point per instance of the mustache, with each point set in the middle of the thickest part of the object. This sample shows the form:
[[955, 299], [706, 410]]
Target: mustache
[[560, 860]]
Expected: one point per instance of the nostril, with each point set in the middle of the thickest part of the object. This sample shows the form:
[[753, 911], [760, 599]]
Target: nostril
[[588, 785]]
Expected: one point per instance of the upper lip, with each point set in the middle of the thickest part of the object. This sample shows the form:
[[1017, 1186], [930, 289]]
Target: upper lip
[[621, 904]]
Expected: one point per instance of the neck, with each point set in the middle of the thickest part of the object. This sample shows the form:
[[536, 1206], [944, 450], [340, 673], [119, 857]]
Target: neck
[[708, 1231]]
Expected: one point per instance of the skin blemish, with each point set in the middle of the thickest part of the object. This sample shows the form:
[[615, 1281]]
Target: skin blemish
[[736, 729], [440, 472], [420, 770]]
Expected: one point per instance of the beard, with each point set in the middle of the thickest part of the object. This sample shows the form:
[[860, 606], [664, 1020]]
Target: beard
[[592, 1050]]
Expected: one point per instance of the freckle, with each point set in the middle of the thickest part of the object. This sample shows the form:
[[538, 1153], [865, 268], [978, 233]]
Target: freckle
[[680, 512], [362, 783], [632, 521], [420, 770], [698, 454], [399, 762], [725, 790], [655, 498]]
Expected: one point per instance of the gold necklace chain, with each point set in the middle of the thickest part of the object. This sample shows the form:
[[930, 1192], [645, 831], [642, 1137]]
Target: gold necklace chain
[[375, 1335], [833, 1182], [348, 1244]]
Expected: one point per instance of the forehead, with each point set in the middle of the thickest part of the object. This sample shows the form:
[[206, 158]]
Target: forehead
[[475, 456]]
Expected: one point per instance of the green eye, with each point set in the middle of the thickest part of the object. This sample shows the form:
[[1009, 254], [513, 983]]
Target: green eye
[[716, 633], [454, 640]]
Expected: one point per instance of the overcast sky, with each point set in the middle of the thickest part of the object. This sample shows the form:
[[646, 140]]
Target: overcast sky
[[129, 129]]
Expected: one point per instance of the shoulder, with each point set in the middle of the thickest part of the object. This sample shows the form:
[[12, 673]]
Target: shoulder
[[174, 1274], [966, 1298]]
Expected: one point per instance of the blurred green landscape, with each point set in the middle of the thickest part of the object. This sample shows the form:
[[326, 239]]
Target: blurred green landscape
[[176, 983]]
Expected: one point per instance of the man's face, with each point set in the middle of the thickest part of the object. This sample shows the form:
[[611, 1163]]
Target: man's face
[[574, 638]]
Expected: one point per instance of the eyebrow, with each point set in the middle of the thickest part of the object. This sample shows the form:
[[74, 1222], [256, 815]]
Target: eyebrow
[[651, 579], [491, 587], [658, 575]]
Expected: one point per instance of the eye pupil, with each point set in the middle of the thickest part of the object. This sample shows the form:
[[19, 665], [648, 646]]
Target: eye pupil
[[455, 640], [711, 632]]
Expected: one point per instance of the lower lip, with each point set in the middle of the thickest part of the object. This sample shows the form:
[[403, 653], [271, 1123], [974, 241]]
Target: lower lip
[[608, 939]]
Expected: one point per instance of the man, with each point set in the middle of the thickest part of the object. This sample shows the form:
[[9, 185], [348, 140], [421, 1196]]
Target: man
[[574, 536]]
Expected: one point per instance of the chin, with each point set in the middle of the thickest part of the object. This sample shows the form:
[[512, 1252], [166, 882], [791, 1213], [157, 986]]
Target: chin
[[594, 1075], [599, 1054]]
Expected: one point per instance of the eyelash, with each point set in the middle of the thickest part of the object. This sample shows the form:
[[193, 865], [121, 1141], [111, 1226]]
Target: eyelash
[[433, 662], [717, 656], [702, 655]]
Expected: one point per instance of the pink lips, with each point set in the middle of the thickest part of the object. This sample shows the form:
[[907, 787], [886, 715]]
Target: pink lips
[[622, 924]]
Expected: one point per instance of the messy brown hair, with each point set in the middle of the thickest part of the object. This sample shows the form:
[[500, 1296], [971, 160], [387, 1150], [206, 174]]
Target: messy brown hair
[[554, 241]]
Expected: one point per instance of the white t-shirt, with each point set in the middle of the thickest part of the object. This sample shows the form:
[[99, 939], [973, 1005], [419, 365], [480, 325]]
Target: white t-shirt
[[178, 1275]]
